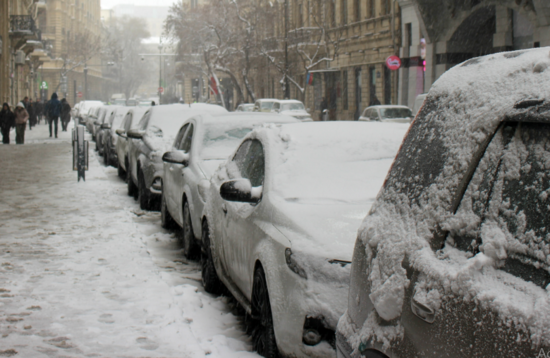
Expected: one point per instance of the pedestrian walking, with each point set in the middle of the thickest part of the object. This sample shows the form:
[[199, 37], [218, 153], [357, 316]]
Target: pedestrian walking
[[32, 114], [7, 122], [21, 118], [324, 106], [65, 114], [38, 111], [374, 101], [53, 111]]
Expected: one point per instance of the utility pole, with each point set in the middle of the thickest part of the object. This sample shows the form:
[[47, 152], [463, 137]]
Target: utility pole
[[287, 87], [160, 71]]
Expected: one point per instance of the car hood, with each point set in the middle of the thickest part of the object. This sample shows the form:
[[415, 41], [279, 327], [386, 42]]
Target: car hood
[[321, 228]]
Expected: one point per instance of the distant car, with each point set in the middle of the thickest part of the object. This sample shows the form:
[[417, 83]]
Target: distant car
[[132, 102], [98, 119], [154, 136], [418, 102], [454, 258], [245, 107], [264, 104], [82, 108], [104, 127], [202, 143], [280, 222], [110, 137], [293, 108], [121, 147], [90, 118], [387, 113], [144, 104]]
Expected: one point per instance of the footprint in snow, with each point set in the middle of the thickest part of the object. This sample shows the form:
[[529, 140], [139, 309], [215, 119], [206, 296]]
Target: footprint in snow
[[106, 318], [8, 353], [60, 342], [146, 343]]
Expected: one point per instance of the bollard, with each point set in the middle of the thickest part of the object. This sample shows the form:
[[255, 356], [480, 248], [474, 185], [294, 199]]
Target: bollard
[[80, 152]]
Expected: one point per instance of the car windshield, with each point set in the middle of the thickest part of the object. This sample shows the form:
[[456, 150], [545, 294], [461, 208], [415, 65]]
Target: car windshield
[[292, 107], [220, 139], [267, 105], [388, 113], [247, 108], [145, 104]]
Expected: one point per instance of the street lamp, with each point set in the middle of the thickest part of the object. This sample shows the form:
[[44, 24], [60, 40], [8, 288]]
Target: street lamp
[[160, 69]]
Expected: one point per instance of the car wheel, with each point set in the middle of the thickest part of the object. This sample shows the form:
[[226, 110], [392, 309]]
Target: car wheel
[[190, 247], [143, 196], [263, 334], [106, 158], [210, 279], [166, 219], [132, 189], [121, 173]]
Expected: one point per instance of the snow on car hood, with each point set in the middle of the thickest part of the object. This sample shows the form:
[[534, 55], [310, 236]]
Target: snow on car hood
[[324, 176]]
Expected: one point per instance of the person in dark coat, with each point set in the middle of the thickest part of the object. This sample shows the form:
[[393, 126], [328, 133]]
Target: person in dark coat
[[38, 110], [32, 113], [324, 105], [65, 114], [7, 122], [53, 111], [374, 101]]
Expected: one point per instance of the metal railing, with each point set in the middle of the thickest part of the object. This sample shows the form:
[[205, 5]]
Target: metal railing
[[22, 23]]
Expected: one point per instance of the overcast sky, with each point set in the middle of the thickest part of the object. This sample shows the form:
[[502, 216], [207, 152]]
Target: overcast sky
[[108, 4]]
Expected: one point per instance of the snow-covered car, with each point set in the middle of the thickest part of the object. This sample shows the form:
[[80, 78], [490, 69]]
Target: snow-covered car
[[90, 118], [81, 109], [453, 259], [418, 102], [202, 143], [293, 108], [104, 127], [121, 147], [280, 224], [387, 113], [153, 137], [245, 107], [98, 119], [264, 105], [110, 137]]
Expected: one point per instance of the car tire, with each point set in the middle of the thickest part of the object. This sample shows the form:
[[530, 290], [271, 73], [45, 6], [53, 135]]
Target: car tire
[[210, 279], [263, 334], [190, 247], [106, 158], [132, 189], [165, 218], [143, 196], [121, 172]]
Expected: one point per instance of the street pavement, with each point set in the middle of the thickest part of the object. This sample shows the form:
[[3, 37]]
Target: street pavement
[[85, 273]]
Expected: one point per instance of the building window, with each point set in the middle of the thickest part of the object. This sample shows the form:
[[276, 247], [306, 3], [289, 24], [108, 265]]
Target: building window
[[357, 9], [387, 85], [408, 35], [344, 11], [332, 12], [345, 90], [386, 6], [372, 85], [370, 8]]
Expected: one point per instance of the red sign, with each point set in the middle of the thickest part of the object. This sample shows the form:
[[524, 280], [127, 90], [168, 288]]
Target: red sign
[[213, 85], [79, 94], [393, 63], [161, 90]]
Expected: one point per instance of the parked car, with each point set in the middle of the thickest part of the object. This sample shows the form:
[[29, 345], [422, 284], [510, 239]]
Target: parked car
[[90, 118], [387, 113], [202, 143], [245, 107], [418, 102], [81, 109], [280, 223], [144, 104], [104, 127], [293, 108], [110, 137], [453, 259], [130, 121], [98, 119], [154, 136], [264, 105]]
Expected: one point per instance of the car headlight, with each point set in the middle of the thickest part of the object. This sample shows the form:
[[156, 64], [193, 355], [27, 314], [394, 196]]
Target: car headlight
[[293, 265]]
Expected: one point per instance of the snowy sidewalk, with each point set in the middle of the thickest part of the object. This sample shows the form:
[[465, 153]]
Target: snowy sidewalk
[[85, 273]]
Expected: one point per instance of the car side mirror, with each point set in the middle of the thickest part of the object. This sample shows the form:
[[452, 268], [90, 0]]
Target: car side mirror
[[176, 157], [121, 133], [240, 190], [135, 134], [105, 126]]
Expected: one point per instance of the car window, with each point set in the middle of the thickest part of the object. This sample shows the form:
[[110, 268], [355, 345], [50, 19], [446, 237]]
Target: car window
[[507, 198], [267, 105], [236, 168], [374, 114], [276, 106], [128, 122], [144, 121], [257, 106], [255, 164], [395, 113], [180, 135], [187, 139]]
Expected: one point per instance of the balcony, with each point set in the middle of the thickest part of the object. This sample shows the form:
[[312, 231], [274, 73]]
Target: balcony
[[22, 25]]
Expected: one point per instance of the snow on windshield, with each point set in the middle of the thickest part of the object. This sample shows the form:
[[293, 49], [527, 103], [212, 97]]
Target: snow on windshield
[[292, 107], [334, 162], [388, 113]]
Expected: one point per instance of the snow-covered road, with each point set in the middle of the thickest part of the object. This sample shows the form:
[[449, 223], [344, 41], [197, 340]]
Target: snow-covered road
[[85, 273]]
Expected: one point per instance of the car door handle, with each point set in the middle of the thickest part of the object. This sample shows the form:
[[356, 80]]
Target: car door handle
[[422, 311], [224, 208]]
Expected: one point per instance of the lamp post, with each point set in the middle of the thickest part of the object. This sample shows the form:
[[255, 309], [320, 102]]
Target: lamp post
[[160, 71]]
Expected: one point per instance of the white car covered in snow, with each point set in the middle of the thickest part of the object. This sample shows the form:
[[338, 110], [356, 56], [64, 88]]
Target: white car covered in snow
[[387, 113], [293, 108], [121, 147], [453, 260], [282, 216], [203, 142]]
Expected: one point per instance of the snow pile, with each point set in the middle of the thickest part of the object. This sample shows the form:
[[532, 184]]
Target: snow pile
[[461, 113]]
